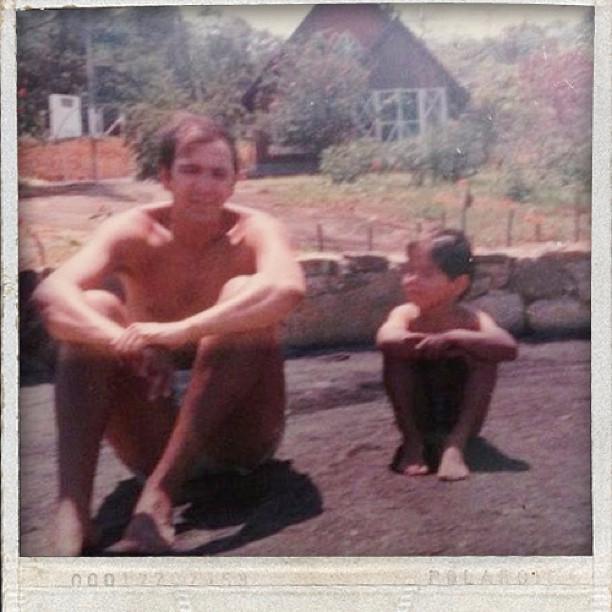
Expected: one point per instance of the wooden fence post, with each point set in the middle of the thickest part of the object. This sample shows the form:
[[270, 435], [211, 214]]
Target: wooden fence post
[[509, 227], [464, 219], [577, 215], [538, 232], [320, 240]]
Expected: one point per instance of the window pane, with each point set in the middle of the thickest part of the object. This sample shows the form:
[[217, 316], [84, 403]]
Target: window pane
[[409, 105]]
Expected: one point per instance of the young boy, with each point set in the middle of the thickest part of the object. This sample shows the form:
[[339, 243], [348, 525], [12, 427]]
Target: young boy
[[440, 358]]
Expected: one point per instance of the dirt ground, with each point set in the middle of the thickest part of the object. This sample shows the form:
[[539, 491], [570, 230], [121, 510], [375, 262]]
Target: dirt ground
[[55, 219], [329, 491]]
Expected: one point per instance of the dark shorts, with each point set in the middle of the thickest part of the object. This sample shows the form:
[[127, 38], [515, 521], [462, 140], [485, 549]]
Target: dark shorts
[[440, 389]]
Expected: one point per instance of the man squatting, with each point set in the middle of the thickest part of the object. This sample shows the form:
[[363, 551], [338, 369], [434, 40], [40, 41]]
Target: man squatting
[[198, 277]]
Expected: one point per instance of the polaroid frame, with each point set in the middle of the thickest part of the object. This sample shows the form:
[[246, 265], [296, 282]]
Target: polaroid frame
[[340, 583]]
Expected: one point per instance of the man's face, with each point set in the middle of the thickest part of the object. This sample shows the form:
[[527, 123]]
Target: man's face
[[201, 179]]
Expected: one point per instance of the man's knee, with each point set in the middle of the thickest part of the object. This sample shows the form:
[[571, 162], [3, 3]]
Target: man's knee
[[233, 287], [106, 303]]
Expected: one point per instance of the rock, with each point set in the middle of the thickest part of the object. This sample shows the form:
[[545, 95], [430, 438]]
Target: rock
[[496, 267], [541, 278], [506, 308], [366, 262], [350, 316], [563, 315], [481, 284], [319, 264], [581, 273]]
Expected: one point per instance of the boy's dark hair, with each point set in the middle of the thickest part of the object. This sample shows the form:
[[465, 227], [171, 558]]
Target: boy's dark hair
[[188, 128], [452, 253]]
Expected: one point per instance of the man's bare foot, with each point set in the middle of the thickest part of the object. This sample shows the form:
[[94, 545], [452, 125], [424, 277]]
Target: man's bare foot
[[409, 460], [452, 465], [73, 531], [150, 530]]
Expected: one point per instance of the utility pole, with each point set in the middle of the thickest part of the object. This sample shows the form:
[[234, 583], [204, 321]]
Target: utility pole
[[91, 99]]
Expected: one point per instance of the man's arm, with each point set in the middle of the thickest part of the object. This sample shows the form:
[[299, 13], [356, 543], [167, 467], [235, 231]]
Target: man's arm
[[394, 336], [264, 299], [61, 300]]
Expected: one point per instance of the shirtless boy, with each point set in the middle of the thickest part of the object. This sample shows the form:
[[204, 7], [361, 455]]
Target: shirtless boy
[[440, 358], [199, 277]]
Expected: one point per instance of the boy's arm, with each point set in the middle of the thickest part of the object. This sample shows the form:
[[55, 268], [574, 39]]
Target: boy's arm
[[61, 300], [394, 337], [488, 343], [264, 300]]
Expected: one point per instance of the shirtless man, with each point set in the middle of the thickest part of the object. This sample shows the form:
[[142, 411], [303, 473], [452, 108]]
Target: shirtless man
[[198, 277]]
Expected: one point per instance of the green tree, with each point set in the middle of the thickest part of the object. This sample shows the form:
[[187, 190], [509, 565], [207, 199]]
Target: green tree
[[50, 59], [316, 87]]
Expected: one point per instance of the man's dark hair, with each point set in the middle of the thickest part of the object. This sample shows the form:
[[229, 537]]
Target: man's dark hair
[[188, 128], [452, 253]]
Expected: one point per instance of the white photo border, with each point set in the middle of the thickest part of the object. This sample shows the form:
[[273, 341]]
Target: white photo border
[[340, 583]]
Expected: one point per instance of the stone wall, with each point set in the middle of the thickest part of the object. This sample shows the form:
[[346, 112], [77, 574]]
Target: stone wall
[[545, 293]]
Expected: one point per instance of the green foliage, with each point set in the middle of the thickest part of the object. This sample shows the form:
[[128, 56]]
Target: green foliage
[[536, 84], [456, 151], [50, 59], [149, 61], [515, 185], [346, 162], [316, 87]]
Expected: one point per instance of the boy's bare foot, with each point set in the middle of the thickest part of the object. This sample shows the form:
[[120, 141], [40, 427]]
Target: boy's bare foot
[[150, 530], [409, 460], [73, 531], [419, 468], [452, 465]]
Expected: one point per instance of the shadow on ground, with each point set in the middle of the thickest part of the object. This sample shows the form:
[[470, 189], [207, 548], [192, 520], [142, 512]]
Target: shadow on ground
[[482, 456], [261, 504]]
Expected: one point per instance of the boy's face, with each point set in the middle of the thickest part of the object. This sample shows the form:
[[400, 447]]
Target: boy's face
[[425, 284], [201, 178]]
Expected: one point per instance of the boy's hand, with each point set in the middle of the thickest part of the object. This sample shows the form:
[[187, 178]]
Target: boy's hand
[[436, 346]]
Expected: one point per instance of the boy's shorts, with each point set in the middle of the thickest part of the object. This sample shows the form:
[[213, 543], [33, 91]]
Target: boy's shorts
[[443, 383]]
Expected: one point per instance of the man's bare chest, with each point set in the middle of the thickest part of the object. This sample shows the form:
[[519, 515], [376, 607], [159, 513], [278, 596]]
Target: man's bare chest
[[169, 284]]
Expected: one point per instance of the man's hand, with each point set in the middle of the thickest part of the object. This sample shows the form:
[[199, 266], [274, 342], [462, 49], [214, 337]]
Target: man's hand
[[140, 335], [154, 364]]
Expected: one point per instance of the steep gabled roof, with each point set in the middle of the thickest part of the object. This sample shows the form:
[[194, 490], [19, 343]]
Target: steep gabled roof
[[401, 59], [364, 22], [396, 57]]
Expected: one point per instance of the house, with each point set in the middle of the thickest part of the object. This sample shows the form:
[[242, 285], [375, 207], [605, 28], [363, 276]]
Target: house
[[409, 87]]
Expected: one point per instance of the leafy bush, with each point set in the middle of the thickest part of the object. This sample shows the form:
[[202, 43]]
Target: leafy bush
[[457, 150], [346, 162], [516, 186]]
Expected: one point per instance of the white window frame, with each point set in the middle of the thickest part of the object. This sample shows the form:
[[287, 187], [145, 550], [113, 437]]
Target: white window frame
[[371, 122]]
